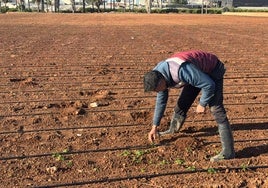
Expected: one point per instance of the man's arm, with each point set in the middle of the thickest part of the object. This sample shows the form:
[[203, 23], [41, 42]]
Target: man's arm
[[160, 106]]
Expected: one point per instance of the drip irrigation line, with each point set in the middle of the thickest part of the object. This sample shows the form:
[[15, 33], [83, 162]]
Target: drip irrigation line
[[73, 128], [150, 176], [77, 152], [32, 114], [89, 67], [107, 84], [117, 69], [99, 76], [62, 76], [247, 92], [126, 97], [93, 111], [102, 82], [138, 109], [74, 88], [233, 92], [174, 95], [131, 63], [21, 131], [99, 150]]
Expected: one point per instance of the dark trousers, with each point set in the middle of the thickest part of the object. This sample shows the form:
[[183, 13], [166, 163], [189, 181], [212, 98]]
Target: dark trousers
[[188, 96]]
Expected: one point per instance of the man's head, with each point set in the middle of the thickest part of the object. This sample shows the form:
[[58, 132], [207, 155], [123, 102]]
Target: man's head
[[154, 81]]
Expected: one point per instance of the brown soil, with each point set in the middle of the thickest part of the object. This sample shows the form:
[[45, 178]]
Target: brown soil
[[73, 110]]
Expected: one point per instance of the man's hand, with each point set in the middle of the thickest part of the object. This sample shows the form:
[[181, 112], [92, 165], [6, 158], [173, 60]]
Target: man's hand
[[153, 134], [200, 109]]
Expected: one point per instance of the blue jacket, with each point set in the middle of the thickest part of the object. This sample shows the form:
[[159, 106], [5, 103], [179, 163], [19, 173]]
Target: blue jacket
[[189, 74]]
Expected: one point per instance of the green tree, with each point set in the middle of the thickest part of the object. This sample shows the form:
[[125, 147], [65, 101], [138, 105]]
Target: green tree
[[96, 3]]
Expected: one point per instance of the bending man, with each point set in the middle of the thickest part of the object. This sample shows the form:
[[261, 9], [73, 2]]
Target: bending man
[[193, 71]]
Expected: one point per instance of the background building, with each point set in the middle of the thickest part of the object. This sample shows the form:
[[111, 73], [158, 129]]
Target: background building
[[245, 3]]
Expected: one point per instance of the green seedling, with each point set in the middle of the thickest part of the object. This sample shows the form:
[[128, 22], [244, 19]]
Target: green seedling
[[211, 170], [65, 151], [163, 162], [69, 163], [139, 153], [126, 153], [244, 167], [138, 156], [58, 157], [179, 161], [191, 168], [153, 145]]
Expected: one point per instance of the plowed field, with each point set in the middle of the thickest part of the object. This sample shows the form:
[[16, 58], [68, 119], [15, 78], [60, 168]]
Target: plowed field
[[73, 111]]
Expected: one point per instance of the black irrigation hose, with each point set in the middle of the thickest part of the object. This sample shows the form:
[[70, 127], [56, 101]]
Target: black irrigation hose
[[124, 97], [150, 176], [77, 152], [99, 150], [131, 63], [241, 76], [74, 87], [21, 131], [109, 81], [32, 114], [89, 67], [100, 110], [14, 90], [76, 71], [123, 82], [72, 128]]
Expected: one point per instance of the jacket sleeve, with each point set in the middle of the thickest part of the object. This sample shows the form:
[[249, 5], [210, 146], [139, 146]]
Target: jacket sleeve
[[160, 106], [190, 74]]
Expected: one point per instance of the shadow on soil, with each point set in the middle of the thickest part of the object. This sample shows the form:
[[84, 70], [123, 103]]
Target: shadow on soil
[[252, 151], [210, 131], [247, 152]]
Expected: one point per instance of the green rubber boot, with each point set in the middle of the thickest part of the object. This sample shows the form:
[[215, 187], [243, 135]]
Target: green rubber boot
[[175, 124], [227, 142]]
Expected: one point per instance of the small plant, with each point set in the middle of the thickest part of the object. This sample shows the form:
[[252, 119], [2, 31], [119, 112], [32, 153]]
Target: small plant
[[163, 162], [211, 170], [179, 161], [126, 153], [137, 155], [191, 168], [143, 170], [58, 157], [244, 167]]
